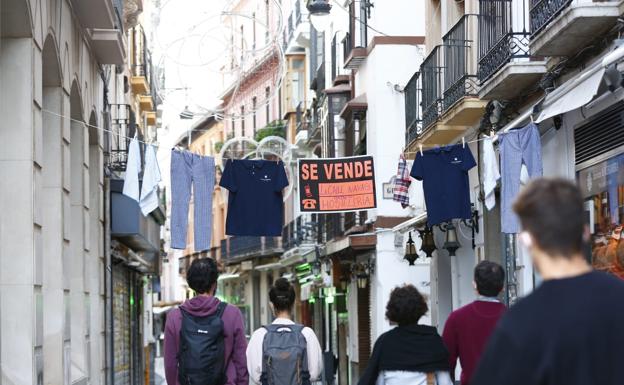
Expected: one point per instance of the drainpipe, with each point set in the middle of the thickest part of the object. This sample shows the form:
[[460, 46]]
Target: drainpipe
[[108, 313]]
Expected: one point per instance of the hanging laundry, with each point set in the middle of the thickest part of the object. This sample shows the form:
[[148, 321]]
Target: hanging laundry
[[151, 178], [255, 205], [196, 171], [402, 183], [444, 172], [517, 148], [133, 168], [491, 175]]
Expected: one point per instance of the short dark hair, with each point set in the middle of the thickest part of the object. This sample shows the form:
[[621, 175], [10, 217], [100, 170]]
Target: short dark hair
[[202, 275], [551, 210], [282, 295], [489, 278], [406, 305]]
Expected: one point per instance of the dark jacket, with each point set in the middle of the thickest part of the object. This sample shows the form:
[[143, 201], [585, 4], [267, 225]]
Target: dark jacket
[[413, 348]]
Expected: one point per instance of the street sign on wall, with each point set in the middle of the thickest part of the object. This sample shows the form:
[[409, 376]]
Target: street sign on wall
[[337, 184]]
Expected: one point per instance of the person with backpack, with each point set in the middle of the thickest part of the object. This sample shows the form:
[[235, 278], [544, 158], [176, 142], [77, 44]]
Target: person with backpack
[[284, 353], [205, 338], [410, 353]]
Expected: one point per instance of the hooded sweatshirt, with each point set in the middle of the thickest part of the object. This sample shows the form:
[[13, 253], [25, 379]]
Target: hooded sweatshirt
[[234, 336]]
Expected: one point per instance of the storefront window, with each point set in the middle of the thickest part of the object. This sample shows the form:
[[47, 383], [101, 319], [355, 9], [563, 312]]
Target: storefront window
[[602, 186]]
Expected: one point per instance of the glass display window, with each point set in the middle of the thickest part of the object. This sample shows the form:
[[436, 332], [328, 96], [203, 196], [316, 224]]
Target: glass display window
[[602, 185]]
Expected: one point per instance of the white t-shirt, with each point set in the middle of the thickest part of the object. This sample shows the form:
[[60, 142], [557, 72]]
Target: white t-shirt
[[399, 377], [254, 352]]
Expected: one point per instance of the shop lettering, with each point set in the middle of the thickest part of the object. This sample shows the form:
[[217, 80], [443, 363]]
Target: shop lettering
[[309, 171], [348, 170]]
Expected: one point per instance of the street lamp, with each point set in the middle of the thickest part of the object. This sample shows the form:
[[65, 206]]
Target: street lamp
[[428, 245], [319, 14], [410, 251], [451, 243], [186, 114]]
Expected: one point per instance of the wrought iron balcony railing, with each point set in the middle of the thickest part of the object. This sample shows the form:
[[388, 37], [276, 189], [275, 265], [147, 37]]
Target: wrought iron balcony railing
[[542, 12], [242, 247], [141, 63], [500, 39], [460, 78], [431, 72], [122, 128], [302, 231], [413, 121]]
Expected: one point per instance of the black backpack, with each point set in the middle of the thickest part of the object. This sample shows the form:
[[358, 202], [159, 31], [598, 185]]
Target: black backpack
[[201, 358]]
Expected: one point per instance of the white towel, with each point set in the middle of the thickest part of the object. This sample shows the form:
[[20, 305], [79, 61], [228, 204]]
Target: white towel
[[151, 178], [491, 174], [133, 168]]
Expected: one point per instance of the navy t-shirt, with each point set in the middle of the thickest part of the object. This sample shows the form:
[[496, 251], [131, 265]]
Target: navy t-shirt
[[444, 172], [255, 206]]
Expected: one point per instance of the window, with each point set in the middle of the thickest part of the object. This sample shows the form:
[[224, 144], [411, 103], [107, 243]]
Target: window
[[254, 106], [242, 41], [243, 121], [267, 94], [253, 17], [267, 21]]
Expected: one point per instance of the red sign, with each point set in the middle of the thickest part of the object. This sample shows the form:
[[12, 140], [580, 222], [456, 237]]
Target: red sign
[[337, 184]]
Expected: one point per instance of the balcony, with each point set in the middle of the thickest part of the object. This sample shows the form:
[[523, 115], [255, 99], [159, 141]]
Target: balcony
[[123, 127], [413, 121], [106, 36], [338, 72], [562, 27], [146, 103], [297, 29], [353, 51], [301, 232], [505, 66], [98, 14], [151, 118], [431, 73], [141, 62], [460, 104], [239, 248]]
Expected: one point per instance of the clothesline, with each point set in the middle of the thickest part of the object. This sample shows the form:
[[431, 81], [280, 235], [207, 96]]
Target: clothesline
[[428, 146], [97, 128]]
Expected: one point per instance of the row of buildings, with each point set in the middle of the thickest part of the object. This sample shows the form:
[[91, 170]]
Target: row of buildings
[[385, 78], [77, 258]]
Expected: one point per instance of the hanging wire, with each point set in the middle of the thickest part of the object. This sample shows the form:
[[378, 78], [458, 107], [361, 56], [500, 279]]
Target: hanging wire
[[97, 128]]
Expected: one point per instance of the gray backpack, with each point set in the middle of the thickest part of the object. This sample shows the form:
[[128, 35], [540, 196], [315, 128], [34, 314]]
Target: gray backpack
[[284, 356]]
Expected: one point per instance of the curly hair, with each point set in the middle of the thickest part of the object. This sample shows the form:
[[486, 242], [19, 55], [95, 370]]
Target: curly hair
[[202, 275], [406, 305]]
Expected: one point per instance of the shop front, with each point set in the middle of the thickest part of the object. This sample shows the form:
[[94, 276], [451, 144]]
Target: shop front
[[602, 185]]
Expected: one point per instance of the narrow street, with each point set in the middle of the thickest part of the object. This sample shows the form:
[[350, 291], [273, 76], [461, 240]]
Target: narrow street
[[357, 167]]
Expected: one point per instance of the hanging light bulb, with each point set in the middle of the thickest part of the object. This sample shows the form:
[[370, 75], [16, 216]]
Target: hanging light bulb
[[319, 14], [410, 250], [428, 245]]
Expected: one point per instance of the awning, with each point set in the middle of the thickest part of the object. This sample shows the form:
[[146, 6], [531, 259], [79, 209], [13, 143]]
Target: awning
[[269, 266], [580, 90], [573, 94], [227, 276]]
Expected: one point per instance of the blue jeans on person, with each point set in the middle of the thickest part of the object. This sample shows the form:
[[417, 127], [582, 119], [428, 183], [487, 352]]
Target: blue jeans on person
[[188, 169]]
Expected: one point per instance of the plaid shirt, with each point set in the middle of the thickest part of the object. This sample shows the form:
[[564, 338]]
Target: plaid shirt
[[402, 183]]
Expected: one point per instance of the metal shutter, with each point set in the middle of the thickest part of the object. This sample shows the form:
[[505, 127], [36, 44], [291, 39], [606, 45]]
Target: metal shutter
[[601, 133]]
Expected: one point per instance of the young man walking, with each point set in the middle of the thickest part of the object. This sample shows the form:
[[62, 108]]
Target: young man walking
[[569, 330], [468, 328], [205, 338]]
